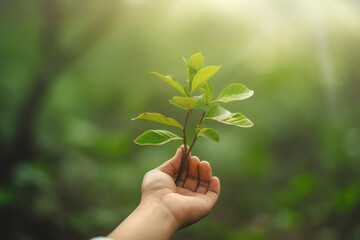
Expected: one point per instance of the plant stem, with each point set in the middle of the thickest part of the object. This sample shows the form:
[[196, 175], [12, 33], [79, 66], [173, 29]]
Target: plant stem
[[186, 154], [184, 129], [185, 145], [196, 135]]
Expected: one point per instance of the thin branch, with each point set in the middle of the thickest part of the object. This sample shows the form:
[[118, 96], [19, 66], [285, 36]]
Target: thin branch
[[188, 152], [184, 129], [185, 145], [196, 135]]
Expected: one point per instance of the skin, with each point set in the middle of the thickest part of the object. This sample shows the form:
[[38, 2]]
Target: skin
[[165, 206]]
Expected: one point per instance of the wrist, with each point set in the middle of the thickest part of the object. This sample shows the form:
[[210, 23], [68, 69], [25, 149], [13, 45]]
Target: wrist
[[158, 212], [150, 220]]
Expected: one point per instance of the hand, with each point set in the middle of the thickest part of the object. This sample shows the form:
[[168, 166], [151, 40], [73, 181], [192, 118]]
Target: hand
[[191, 198], [165, 206]]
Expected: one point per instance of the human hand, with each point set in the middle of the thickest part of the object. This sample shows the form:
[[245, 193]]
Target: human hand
[[188, 200], [165, 206]]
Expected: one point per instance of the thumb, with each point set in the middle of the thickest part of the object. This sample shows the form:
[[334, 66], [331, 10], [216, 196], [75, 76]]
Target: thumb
[[171, 167]]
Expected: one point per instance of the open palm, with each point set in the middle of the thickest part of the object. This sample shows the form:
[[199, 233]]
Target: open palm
[[189, 199]]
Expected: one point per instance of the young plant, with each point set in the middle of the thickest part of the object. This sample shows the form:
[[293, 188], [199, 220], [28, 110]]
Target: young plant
[[198, 78]]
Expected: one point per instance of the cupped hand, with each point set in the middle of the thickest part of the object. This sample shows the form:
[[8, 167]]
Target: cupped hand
[[188, 200]]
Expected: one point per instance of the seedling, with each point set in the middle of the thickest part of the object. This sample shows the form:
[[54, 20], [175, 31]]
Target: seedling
[[197, 79]]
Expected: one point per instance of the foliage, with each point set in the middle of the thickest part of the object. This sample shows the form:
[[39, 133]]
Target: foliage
[[198, 77]]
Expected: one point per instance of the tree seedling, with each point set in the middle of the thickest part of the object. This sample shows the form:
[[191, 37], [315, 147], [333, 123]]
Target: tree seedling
[[198, 78]]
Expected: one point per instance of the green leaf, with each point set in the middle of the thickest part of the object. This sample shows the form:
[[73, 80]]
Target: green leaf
[[172, 77], [234, 92], [170, 81], [196, 61], [156, 137], [191, 68], [186, 90], [207, 91], [157, 117], [187, 70], [177, 105], [216, 110], [191, 74], [186, 102], [220, 114], [202, 76], [209, 133], [200, 103]]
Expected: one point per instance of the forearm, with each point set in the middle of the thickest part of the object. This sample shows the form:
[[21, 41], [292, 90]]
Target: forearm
[[148, 221]]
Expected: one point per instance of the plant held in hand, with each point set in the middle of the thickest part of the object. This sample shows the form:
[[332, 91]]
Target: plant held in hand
[[197, 79]]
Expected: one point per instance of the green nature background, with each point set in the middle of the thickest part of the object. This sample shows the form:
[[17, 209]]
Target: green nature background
[[74, 72]]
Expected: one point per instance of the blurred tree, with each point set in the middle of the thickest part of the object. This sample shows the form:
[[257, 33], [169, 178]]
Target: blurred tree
[[54, 60]]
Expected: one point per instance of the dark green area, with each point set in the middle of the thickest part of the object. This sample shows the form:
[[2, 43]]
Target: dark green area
[[74, 73]]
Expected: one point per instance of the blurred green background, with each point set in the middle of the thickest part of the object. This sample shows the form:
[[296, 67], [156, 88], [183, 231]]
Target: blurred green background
[[73, 74]]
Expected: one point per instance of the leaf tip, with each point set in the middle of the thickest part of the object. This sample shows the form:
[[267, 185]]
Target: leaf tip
[[136, 142], [250, 124]]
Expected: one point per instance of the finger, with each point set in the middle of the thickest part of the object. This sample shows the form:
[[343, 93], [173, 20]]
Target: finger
[[192, 180], [182, 147], [214, 186], [171, 167], [204, 176], [214, 191]]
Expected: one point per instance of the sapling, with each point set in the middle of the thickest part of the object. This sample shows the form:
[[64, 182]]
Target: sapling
[[198, 78]]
